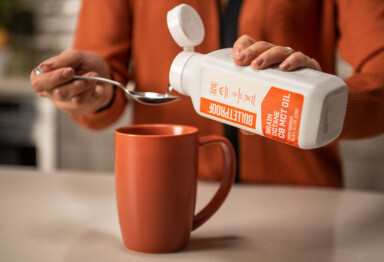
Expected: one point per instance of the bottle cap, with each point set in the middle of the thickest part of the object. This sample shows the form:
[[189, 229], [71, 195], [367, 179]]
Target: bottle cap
[[177, 68], [186, 26]]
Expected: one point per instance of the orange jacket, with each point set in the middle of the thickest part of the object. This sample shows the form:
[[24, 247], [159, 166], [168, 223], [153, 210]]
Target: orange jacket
[[136, 32]]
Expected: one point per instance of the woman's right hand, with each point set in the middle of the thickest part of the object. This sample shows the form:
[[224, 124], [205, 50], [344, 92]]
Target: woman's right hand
[[77, 97]]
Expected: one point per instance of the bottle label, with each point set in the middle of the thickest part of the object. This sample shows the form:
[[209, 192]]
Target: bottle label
[[239, 100], [281, 115], [227, 112]]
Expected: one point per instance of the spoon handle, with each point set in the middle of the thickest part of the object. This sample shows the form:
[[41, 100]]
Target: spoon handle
[[101, 79], [148, 98], [38, 71]]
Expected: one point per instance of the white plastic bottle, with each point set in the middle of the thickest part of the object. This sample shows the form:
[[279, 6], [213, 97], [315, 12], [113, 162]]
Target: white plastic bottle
[[304, 108]]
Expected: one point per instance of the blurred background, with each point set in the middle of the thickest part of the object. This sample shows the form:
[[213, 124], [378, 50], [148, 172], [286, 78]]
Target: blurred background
[[34, 134]]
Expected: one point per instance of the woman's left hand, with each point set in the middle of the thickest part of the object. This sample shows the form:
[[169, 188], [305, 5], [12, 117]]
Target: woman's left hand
[[261, 54]]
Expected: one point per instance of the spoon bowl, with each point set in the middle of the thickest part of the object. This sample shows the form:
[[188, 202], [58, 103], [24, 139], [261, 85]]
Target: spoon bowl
[[149, 98]]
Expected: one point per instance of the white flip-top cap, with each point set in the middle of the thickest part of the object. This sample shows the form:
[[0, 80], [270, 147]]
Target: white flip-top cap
[[186, 26], [177, 68]]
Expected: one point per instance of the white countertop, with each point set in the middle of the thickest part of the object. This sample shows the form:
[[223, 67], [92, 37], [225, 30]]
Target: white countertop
[[69, 216]]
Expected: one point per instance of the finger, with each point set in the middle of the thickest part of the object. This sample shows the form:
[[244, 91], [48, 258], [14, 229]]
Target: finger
[[297, 60], [80, 99], [241, 43], [43, 94], [51, 79], [245, 132], [272, 56], [247, 55], [86, 102], [78, 105], [72, 88], [68, 58]]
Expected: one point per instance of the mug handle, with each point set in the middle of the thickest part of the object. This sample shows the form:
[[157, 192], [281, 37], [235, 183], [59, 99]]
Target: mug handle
[[226, 182]]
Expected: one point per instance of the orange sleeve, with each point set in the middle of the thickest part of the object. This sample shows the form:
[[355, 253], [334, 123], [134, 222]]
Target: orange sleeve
[[104, 27], [361, 43]]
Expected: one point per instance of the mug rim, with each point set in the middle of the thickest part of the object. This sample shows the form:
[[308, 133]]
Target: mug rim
[[123, 130]]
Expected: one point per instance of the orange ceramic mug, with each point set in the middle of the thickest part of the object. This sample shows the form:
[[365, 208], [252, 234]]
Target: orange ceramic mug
[[156, 180]]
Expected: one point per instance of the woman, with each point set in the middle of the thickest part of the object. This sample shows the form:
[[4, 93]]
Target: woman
[[129, 40]]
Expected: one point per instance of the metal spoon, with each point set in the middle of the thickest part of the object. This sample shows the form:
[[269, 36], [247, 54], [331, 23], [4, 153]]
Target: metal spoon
[[148, 98]]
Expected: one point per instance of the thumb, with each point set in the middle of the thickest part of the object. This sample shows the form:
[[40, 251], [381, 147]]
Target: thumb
[[68, 58]]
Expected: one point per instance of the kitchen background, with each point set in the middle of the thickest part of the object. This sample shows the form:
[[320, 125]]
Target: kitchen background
[[34, 134]]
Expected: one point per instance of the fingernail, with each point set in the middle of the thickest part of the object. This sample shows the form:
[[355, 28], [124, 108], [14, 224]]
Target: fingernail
[[258, 61], [42, 94], [67, 73], [235, 53], [46, 66], [240, 56], [93, 74], [245, 133], [285, 66]]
